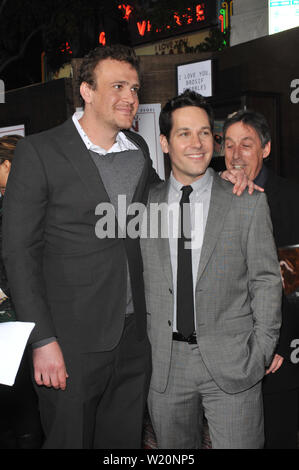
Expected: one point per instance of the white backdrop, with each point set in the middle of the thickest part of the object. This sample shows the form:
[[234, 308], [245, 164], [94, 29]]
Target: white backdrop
[[146, 123], [9, 130]]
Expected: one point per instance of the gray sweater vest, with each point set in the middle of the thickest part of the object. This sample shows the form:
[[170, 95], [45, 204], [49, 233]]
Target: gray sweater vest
[[120, 173]]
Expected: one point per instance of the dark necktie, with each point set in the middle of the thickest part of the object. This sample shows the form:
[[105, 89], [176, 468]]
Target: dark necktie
[[185, 301]]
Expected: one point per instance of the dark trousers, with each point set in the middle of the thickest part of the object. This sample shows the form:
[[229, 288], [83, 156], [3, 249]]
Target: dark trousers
[[281, 419], [20, 425], [104, 401]]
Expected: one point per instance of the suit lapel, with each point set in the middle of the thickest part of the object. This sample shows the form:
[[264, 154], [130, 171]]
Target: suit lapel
[[272, 190], [77, 154], [219, 205], [163, 243], [138, 194]]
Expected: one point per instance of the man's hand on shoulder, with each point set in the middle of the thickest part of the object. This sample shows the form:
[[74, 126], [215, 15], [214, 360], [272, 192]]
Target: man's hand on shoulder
[[49, 366], [240, 181]]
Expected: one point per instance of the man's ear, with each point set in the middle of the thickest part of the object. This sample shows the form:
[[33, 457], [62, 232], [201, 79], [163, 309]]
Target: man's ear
[[267, 149], [164, 143], [7, 165], [86, 92]]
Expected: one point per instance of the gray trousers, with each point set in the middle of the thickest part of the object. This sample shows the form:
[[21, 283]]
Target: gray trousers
[[235, 420]]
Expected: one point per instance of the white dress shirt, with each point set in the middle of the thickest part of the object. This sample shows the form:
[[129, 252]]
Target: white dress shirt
[[121, 145]]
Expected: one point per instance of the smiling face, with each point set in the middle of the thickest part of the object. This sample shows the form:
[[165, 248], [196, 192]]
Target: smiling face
[[243, 149], [114, 101], [190, 144]]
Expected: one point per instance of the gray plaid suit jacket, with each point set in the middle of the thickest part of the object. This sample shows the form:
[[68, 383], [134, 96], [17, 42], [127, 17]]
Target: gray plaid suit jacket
[[238, 290]]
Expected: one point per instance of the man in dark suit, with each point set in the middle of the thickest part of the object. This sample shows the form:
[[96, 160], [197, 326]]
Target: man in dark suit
[[247, 143], [85, 293]]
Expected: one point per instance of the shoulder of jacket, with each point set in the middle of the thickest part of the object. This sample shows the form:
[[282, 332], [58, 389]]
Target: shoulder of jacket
[[156, 189], [53, 132], [227, 187]]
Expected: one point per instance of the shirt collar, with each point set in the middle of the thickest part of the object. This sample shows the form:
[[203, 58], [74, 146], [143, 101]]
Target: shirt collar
[[262, 177], [201, 184], [121, 145]]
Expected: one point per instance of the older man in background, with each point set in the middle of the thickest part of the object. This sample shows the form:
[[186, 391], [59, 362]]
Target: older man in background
[[247, 143]]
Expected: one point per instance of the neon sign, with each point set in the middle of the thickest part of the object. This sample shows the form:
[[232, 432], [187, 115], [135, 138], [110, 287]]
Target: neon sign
[[142, 28], [200, 13], [127, 9], [66, 48], [102, 38], [190, 17], [225, 14]]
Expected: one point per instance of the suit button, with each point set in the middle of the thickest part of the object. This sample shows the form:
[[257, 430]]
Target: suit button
[[170, 290], [169, 322]]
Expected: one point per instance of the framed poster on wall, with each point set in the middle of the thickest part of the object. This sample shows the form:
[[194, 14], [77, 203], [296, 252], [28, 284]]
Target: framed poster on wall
[[197, 76], [146, 123]]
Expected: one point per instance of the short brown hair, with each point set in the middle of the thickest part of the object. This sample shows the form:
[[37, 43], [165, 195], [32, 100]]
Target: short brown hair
[[7, 146], [115, 52], [250, 118], [187, 98]]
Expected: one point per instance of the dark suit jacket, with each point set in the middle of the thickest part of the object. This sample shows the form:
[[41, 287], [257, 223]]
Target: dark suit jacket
[[283, 199], [65, 279]]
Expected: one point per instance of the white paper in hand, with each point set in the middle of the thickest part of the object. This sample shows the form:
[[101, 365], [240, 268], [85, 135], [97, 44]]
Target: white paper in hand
[[13, 339]]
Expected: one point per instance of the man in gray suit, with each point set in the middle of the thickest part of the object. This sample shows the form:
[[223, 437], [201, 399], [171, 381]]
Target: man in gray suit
[[213, 311]]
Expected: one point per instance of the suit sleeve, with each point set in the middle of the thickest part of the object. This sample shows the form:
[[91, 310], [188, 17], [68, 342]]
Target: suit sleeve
[[264, 279], [154, 178], [24, 216]]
